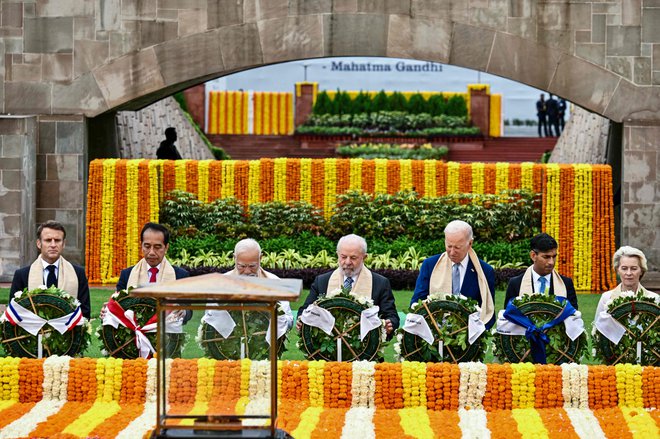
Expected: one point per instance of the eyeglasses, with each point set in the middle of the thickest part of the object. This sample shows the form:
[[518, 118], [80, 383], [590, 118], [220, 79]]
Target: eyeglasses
[[250, 266]]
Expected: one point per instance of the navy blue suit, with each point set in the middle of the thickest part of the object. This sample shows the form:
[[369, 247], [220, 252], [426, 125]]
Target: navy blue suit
[[470, 287], [20, 282], [180, 273], [513, 289]]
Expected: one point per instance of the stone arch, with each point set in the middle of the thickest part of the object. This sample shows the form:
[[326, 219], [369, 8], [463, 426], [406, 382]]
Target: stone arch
[[152, 72]]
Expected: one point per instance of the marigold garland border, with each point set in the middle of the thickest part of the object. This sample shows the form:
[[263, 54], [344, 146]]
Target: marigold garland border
[[317, 183]]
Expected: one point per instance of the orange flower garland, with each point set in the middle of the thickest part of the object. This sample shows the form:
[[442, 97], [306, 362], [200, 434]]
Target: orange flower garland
[[418, 177], [82, 384], [134, 381], [343, 176], [613, 423], [94, 218], [548, 383], [295, 384], [192, 177], [58, 422], [442, 382], [337, 378], [498, 387], [30, 380], [502, 425], [267, 179], [558, 424], [651, 386], [602, 387], [389, 386], [393, 176], [445, 423], [119, 241]]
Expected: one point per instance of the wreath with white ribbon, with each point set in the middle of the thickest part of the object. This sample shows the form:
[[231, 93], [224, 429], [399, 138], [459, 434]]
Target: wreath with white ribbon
[[128, 329], [234, 335], [629, 330], [342, 326], [443, 328], [44, 322], [540, 328]]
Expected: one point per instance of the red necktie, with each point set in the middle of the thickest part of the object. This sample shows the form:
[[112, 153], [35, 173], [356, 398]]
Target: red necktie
[[153, 271]]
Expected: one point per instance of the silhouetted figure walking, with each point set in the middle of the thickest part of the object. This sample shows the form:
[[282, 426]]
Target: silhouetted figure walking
[[167, 150], [541, 113]]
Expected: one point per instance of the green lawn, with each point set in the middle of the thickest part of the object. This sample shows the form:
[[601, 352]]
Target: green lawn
[[587, 304]]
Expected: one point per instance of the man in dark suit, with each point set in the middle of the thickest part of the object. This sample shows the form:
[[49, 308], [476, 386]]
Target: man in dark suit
[[553, 116], [51, 268], [541, 276], [352, 274], [167, 150], [455, 272], [154, 266]]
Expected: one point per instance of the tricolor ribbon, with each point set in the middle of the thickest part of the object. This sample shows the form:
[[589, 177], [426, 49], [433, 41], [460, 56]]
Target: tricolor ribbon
[[116, 316], [537, 336], [17, 315]]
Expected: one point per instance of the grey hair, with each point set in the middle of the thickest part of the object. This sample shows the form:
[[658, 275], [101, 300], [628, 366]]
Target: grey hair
[[630, 252], [245, 245], [459, 226], [352, 238]]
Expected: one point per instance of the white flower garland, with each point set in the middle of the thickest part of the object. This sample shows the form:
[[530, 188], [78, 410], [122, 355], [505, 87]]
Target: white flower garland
[[574, 385], [140, 425], [358, 422], [258, 406], [29, 421], [150, 387], [259, 386], [585, 423], [56, 378], [363, 386], [473, 423], [472, 387]]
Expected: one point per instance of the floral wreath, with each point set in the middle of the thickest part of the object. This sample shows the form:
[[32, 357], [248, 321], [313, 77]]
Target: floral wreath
[[346, 308], [63, 330], [447, 317], [640, 316], [540, 309], [119, 342], [250, 331]]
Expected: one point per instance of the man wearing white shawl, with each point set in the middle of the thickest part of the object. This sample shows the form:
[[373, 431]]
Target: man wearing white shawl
[[51, 268], [154, 266], [247, 262], [352, 274], [458, 271], [541, 276]]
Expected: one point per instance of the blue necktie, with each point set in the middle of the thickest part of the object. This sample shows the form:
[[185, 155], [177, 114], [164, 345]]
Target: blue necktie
[[51, 279], [348, 283], [543, 282], [455, 281]]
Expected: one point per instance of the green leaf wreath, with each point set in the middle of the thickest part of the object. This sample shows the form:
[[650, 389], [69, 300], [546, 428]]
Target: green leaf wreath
[[250, 330], [640, 315], [540, 309], [120, 342], [47, 303], [447, 316], [346, 309]]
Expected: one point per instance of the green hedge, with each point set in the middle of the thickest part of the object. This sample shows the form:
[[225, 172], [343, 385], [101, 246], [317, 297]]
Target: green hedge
[[435, 105], [393, 151]]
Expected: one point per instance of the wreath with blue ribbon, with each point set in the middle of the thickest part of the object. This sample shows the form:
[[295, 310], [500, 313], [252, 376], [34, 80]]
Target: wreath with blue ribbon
[[48, 304], [545, 340]]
